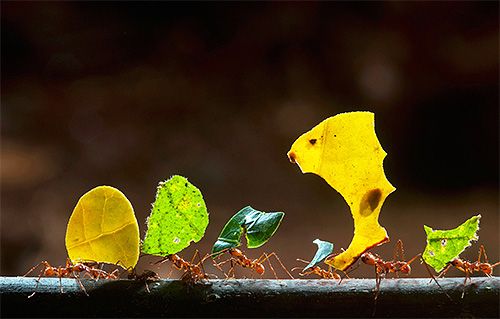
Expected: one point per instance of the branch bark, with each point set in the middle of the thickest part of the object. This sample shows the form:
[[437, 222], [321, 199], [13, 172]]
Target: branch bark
[[403, 297]]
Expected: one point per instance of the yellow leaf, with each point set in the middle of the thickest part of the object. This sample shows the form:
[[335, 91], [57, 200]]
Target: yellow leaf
[[103, 228], [345, 151]]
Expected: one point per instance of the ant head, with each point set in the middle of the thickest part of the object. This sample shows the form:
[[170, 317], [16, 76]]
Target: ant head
[[368, 259], [235, 252], [456, 262]]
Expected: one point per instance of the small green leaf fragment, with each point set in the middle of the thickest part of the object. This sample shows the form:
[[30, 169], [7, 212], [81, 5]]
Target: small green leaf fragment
[[259, 226], [324, 250], [179, 216], [445, 245]]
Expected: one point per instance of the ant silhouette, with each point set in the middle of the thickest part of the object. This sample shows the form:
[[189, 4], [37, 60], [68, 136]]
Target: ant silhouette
[[330, 274], [144, 277], [239, 258], [471, 267], [70, 271]]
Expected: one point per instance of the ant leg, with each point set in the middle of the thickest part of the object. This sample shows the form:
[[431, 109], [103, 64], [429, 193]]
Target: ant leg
[[282, 266], [465, 282], [81, 285], [441, 274], [44, 263], [484, 253], [270, 266], [429, 271], [400, 246]]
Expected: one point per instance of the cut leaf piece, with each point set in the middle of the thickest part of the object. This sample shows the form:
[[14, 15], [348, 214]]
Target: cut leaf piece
[[345, 151], [259, 226], [179, 216], [445, 245], [324, 250], [103, 228]]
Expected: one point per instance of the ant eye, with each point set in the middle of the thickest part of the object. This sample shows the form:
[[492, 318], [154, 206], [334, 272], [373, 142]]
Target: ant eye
[[444, 242], [312, 141]]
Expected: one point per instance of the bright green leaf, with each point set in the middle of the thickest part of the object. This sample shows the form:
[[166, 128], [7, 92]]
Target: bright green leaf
[[324, 249], [259, 226], [179, 216], [445, 245], [103, 228]]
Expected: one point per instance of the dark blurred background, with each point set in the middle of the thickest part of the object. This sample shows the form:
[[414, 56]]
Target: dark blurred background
[[127, 94]]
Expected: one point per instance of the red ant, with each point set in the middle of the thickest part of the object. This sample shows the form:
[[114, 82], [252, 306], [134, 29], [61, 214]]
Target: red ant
[[144, 277], [238, 258], [68, 271], [382, 268], [470, 267], [192, 272], [319, 271]]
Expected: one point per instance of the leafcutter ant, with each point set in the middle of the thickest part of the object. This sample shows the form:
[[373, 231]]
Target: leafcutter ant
[[330, 274], [383, 268], [239, 258], [192, 272], [471, 267], [70, 271], [144, 277]]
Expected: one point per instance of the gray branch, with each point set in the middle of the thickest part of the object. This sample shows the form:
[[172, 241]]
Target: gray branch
[[404, 297]]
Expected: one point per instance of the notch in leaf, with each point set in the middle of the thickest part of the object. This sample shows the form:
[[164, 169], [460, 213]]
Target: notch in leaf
[[324, 250], [445, 245], [258, 226], [179, 216]]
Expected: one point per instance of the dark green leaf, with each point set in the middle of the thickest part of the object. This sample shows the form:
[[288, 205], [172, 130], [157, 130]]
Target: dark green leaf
[[259, 227]]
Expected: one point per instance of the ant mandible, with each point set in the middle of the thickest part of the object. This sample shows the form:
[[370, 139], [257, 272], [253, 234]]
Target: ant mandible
[[471, 267], [330, 274], [239, 258]]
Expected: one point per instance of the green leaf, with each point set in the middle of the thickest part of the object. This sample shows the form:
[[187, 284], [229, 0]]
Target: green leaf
[[324, 250], [445, 245], [179, 216], [259, 226]]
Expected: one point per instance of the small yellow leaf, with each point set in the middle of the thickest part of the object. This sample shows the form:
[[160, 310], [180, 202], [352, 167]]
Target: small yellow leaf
[[103, 228], [345, 151]]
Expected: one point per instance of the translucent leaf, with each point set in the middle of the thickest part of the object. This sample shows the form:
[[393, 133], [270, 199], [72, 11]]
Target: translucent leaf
[[179, 216], [259, 226], [345, 151], [445, 245], [103, 228], [324, 249]]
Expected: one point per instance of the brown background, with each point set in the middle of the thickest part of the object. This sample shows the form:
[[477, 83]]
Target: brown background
[[128, 94]]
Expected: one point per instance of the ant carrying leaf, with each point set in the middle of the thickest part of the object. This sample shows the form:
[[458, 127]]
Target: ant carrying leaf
[[345, 151], [324, 250], [324, 274], [101, 229], [444, 246]]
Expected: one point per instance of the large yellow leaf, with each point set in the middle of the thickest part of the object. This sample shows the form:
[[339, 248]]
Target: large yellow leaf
[[345, 151], [103, 228]]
